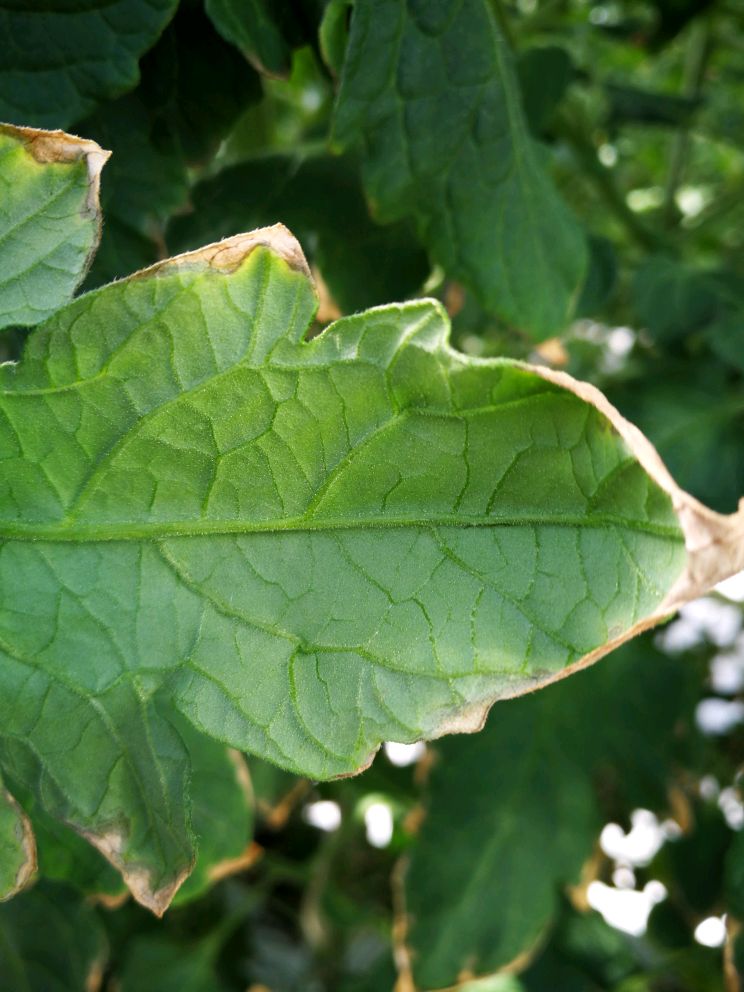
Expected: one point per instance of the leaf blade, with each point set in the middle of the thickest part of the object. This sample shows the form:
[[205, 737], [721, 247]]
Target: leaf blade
[[306, 547], [49, 217]]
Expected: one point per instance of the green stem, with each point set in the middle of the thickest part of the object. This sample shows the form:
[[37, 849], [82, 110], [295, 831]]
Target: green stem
[[502, 19], [696, 62], [586, 153]]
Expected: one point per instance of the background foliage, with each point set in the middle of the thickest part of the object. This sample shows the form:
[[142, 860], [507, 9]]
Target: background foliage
[[568, 178]]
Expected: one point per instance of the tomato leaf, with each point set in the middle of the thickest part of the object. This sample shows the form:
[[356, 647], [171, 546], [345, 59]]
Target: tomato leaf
[[445, 140], [50, 219], [305, 547]]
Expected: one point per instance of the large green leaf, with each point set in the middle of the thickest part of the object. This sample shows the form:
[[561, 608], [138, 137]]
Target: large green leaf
[[17, 846], [430, 90], [59, 59], [307, 547], [49, 219]]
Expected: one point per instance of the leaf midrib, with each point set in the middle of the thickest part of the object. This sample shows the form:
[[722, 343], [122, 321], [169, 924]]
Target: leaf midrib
[[159, 530]]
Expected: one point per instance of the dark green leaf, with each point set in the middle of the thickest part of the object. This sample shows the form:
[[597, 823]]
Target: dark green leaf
[[50, 941], [221, 813], [160, 964], [146, 178], [123, 250], [726, 337], [639, 106], [477, 893], [430, 90], [672, 300], [695, 417], [333, 33], [266, 31], [544, 75], [60, 59], [734, 877], [585, 954], [195, 86], [600, 277], [321, 200], [695, 861]]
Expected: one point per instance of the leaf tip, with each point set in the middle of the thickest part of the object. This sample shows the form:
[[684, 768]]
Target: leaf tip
[[714, 542], [227, 255], [111, 843], [715, 549], [49, 147]]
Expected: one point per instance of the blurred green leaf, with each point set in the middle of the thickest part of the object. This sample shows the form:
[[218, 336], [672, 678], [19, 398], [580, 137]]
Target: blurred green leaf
[[477, 893], [195, 86], [222, 812], [146, 178], [162, 964], [694, 862], [177, 116], [123, 250], [320, 199], [584, 954], [333, 34], [17, 846], [726, 337], [694, 415], [600, 279], [50, 941], [266, 31], [673, 300], [544, 75], [734, 877], [674, 15], [631, 104]]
